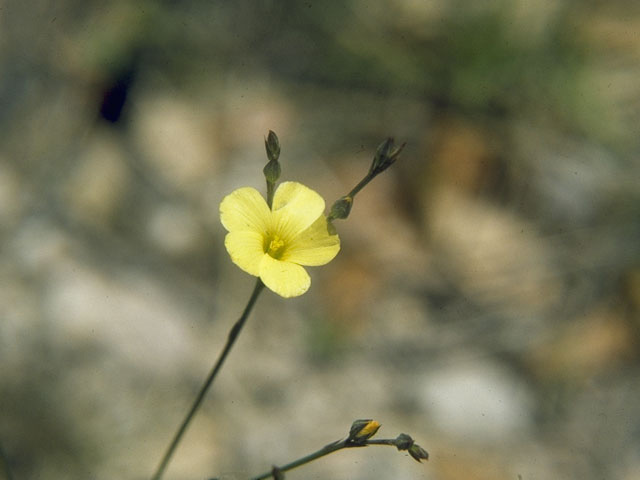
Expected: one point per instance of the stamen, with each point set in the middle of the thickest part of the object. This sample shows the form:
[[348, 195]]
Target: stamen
[[275, 247]]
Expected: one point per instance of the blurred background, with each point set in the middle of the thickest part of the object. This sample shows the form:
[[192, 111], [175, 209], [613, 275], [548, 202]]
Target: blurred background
[[486, 298]]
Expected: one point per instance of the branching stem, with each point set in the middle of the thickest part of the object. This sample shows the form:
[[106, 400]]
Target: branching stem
[[326, 450]]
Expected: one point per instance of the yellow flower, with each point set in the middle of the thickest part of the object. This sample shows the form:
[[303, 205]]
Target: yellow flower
[[273, 244]]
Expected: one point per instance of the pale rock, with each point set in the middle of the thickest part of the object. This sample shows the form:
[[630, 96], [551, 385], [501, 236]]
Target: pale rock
[[177, 140], [97, 184], [174, 228], [477, 401]]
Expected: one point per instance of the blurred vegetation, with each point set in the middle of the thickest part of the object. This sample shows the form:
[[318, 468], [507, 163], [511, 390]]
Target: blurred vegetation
[[504, 243]]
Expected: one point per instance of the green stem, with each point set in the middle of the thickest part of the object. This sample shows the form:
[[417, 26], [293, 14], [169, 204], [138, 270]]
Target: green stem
[[233, 335], [326, 450], [363, 183], [271, 187], [383, 441]]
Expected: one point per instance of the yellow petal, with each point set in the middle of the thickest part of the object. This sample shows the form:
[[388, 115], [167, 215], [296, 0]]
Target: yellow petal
[[284, 278], [314, 246], [295, 208], [245, 209], [246, 250]]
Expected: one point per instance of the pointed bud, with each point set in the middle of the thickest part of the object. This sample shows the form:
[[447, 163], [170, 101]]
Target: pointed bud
[[341, 208], [272, 145], [362, 430], [418, 453], [272, 169], [405, 442], [386, 155], [272, 172]]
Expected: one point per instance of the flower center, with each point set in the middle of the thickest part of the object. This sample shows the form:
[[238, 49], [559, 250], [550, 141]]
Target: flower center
[[275, 246]]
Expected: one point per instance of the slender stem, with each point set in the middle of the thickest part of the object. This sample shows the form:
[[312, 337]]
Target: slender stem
[[363, 183], [271, 187], [233, 335], [326, 450], [382, 441]]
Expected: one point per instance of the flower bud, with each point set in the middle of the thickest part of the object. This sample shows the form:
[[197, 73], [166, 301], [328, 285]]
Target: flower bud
[[272, 171], [341, 208], [418, 453], [362, 430], [272, 145], [386, 155], [403, 441]]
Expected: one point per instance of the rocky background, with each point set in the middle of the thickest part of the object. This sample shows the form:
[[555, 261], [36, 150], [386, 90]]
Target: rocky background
[[486, 299]]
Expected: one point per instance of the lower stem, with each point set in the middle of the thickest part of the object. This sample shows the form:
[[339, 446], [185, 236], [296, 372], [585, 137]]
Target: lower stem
[[326, 450], [233, 335]]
